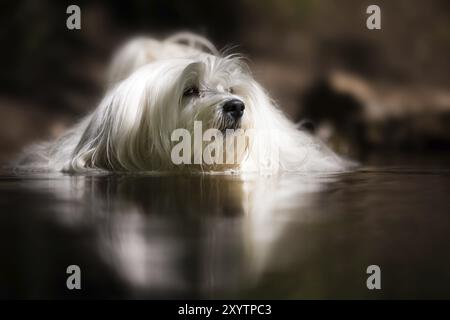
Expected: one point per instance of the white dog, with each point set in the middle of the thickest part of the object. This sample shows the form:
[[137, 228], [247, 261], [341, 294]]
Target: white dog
[[156, 87]]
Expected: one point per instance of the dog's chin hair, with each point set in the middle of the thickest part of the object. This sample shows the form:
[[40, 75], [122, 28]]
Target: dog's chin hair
[[227, 130], [223, 123], [131, 128]]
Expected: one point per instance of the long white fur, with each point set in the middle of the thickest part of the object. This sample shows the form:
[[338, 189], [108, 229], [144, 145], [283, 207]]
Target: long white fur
[[130, 129], [143, 50]]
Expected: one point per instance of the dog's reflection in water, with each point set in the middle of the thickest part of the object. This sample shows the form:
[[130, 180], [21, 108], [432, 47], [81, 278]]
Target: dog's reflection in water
[[184, 235]]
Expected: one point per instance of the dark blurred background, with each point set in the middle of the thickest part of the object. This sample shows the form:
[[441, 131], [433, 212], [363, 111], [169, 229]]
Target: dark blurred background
[[366, 92]]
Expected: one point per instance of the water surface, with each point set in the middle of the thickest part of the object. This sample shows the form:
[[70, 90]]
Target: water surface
[[226, 236]]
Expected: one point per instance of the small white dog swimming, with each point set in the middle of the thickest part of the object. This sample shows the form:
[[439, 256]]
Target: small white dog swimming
[[157, 87]]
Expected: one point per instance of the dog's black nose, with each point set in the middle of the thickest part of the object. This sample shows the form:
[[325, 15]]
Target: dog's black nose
[[234, 108]]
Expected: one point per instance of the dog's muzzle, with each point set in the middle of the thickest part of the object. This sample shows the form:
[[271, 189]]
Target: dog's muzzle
[[234, 108]]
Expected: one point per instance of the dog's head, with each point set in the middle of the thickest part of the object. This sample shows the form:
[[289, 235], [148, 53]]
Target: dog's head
[[170, 94], [214, 91], [208, 86], [139, 114]]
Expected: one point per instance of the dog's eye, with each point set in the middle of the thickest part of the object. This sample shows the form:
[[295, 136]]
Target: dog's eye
[[191, 92], [231, 90]]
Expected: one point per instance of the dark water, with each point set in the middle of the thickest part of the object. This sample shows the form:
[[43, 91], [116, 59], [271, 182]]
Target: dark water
[[291, 236]]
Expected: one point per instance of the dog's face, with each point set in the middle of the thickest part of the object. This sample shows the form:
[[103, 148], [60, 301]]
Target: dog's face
[[212, 93], [219, 92]]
